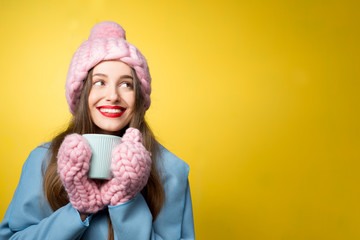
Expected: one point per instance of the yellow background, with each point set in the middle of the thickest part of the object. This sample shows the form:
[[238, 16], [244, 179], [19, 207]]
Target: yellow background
[[261, 98]]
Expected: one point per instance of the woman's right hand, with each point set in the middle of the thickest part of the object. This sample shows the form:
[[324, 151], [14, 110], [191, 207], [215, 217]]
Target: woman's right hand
[[73, 164]]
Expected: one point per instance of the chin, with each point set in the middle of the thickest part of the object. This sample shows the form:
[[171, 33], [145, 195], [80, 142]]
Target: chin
[[113, 130]]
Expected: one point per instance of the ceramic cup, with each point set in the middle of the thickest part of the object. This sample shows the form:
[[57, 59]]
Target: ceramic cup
[[101, 146]]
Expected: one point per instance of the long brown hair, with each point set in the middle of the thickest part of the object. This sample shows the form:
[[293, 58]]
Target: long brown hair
[[81, 123]]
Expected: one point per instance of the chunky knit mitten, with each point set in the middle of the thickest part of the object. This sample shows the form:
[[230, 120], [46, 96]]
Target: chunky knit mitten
[[73, 164], [131, 165]]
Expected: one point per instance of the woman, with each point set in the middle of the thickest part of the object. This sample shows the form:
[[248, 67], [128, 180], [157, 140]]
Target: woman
[[108, 92]]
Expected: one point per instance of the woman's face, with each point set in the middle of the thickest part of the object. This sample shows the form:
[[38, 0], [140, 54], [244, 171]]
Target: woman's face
[[112, 96]]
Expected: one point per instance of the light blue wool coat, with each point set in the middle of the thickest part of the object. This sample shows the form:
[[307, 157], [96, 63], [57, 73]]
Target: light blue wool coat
[[29, 215]]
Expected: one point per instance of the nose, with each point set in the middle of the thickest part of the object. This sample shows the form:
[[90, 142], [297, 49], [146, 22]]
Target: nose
[[112, 94]]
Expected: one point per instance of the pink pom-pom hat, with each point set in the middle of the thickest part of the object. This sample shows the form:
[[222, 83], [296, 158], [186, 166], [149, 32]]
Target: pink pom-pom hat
[[106, 42]]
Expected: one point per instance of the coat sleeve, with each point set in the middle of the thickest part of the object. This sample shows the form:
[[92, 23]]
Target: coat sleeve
[[133, 219], [30, 217]]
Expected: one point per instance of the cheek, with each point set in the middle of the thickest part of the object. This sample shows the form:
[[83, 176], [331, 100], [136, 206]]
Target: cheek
[[92, 98], [130, 99]]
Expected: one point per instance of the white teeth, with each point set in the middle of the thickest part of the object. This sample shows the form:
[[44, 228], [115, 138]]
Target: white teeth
[[107, 110]]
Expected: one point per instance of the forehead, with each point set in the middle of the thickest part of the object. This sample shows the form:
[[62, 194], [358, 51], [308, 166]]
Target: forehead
[[112, 68]]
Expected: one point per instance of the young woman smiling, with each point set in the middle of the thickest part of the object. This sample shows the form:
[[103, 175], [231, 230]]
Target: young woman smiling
[[112, 96], [108, 92]]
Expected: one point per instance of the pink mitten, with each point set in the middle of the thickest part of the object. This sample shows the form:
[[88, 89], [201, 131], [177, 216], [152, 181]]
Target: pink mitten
[[131, 165], [73, 164]]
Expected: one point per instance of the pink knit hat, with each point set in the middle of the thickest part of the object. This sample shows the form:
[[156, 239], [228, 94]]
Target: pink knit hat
[[106, 42]]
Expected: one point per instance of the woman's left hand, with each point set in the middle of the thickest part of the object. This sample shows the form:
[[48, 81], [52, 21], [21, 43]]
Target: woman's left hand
[[131, 166]]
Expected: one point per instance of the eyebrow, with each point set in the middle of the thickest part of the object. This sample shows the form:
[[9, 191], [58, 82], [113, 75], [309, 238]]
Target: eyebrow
[[104, 75]]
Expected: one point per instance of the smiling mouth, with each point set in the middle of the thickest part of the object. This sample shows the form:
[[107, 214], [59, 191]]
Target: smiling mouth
[[111, 111]]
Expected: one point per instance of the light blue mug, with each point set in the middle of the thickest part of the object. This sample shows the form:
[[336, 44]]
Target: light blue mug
[[101, 146]]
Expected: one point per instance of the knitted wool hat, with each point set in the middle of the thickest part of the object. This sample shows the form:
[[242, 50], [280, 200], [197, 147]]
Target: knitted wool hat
[[106, 42]]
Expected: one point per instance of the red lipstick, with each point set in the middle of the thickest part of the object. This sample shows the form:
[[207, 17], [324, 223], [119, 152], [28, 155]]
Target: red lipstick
[[111, 111]]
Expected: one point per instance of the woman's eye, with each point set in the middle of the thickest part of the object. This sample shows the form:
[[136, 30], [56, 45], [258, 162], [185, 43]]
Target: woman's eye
[[126, 85], [98, 83]]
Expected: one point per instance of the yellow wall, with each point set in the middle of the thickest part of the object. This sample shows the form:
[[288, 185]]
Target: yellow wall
[[260, 98]]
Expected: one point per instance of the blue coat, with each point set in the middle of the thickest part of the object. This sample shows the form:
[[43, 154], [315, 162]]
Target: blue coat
[[29, 215]]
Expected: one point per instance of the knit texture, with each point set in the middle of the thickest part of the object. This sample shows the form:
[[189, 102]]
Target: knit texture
[[106, 42], [73, 164], [131, 165]]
